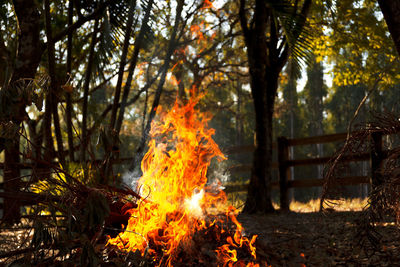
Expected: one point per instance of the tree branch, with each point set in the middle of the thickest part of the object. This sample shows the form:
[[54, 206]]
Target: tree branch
[[243, 20], [81, 21]]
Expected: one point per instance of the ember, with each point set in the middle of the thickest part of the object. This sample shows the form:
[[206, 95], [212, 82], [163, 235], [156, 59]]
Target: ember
[[180, 216]]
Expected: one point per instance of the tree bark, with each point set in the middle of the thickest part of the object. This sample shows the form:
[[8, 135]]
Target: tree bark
[[68, 94], [391, 13], [30, 50], [12, 182], [53, 84], [266, 58], [259, 191], [30, 47]]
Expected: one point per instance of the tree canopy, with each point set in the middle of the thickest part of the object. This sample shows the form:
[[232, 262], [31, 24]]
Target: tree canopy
[[81, 81]]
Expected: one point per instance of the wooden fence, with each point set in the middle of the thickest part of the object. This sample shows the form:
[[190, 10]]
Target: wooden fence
[[283, 165], [375, 157]]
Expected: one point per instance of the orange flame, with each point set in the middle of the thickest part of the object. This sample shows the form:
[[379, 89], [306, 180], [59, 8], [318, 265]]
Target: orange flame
[[207, 4], [179, 202], [174, 81]]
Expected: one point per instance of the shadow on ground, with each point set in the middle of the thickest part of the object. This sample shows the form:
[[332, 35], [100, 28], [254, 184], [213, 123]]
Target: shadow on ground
[[320, 239]]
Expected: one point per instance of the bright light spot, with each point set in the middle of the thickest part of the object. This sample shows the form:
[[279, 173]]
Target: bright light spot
[[192, 205]]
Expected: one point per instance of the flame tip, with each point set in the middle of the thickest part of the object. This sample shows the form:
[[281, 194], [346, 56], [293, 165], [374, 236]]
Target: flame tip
[[178, 201]]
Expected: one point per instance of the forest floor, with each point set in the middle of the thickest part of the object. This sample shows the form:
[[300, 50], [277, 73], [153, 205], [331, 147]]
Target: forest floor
[[320, 239], [302, 238]]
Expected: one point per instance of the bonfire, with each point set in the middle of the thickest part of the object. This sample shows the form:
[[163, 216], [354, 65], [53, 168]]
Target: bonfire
[[183, 219]]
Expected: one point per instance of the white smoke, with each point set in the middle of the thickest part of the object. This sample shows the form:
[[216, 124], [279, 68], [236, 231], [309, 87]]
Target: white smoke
[[131, 179], [219, 173]]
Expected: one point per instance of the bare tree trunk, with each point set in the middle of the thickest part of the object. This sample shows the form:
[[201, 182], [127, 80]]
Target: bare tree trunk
[[114, 133], [239, 118], [53, 84], [84, 138], [30, 48], [391, 13], [263, 91], [259, 192], [171, 47], [36, 138], [122, 65], [6, 62], [28, 57], [68, 94], [132, 66], [11, 181], [48, 137], [266, 56]]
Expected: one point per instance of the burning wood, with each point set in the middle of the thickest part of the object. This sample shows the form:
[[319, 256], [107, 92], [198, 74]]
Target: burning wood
[[176, 218], [179, 223]]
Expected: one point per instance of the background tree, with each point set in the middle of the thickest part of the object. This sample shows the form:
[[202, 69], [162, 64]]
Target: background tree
[[273, 31], [391, 12]]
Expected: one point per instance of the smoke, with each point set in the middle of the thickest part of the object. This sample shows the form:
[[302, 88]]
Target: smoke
[[218, 172], [131, 179]]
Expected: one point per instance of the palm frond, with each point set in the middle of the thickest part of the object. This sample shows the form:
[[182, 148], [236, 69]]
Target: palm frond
[[297, 31], [114, 23], [298, 35], [149, 35]]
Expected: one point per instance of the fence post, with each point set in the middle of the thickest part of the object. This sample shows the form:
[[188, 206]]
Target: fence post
[[283, 156], [376, 158]]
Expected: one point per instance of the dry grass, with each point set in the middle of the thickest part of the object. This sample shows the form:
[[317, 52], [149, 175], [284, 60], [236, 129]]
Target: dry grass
[[354, 204]]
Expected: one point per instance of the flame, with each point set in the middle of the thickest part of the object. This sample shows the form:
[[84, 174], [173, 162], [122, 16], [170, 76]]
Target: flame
[[207, 4], [193, 205], [178, 202], [173, 80], [197, 33]]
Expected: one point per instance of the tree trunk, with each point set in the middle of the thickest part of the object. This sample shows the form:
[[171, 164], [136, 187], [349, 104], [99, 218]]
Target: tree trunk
[[239, 118], [84, 138], [132, 66], [263, 88], [11, 181], [267, 55], [122, 65], [48, 137], [68, 94], [113, 127], [259, 191], [30, 50], [391, 13], [53, 84]]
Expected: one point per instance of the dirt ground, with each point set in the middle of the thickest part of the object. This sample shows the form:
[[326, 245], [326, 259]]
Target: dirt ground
[[320, 239], [298, 239]]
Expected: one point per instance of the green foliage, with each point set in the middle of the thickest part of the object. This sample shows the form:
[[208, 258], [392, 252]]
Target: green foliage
[[359, 45]]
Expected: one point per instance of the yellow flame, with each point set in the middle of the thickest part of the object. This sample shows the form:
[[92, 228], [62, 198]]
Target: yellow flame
[[177, 199], [192, 205]]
